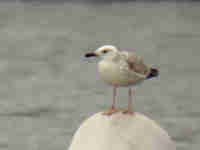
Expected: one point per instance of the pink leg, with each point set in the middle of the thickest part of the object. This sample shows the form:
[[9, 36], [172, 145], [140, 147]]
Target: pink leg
[[130, 99], [112, 109], [130, 103], [114, 97]]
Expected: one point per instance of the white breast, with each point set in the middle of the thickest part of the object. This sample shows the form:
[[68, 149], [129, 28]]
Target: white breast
[[117, 74]]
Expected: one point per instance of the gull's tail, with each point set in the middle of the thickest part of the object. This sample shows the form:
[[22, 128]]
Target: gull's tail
[[153, 73]]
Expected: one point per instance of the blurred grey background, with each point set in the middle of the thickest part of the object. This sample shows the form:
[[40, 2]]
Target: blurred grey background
[[47, 87]]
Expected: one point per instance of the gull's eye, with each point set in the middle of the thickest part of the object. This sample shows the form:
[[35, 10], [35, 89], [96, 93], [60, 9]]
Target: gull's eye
[[104, 51]]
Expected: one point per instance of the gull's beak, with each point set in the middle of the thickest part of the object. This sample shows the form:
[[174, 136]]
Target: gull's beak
[[91, 55]]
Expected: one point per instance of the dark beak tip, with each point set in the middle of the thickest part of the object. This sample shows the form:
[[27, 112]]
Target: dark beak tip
[[86, 55], [90, 55]]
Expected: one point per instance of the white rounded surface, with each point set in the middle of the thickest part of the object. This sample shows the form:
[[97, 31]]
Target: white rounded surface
[[121, 132]]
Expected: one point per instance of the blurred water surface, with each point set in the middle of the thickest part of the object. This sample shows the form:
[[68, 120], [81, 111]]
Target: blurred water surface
[[47, 87]]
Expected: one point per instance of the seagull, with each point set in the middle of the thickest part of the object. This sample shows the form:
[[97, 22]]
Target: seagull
[[121, 69]]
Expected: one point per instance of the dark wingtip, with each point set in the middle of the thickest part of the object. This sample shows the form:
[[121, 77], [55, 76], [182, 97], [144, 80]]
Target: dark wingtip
[[153, 73]]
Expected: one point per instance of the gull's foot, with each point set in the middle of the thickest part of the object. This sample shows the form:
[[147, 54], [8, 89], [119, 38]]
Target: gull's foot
[[110, 111], [129, 112]]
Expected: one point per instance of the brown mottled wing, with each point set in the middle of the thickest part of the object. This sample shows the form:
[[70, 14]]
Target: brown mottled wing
[[136, 63]]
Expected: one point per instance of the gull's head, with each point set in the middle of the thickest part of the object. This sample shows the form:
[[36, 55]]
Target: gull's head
[[106, 50]]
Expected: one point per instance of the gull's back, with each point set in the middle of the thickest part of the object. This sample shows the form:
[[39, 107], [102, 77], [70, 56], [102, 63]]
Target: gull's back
[[135, 63]]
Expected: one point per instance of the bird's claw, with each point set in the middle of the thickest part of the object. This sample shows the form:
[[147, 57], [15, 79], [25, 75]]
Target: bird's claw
[[110, 111], [129, 112]]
